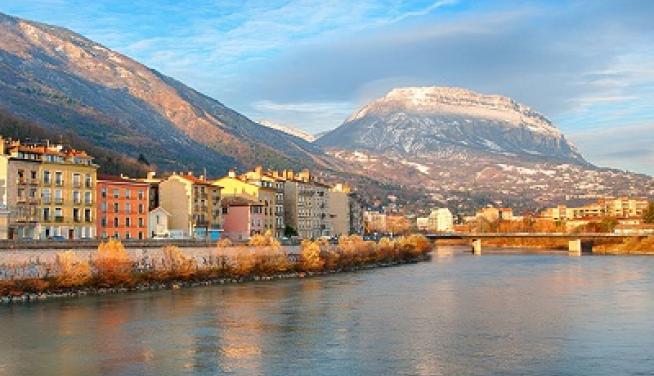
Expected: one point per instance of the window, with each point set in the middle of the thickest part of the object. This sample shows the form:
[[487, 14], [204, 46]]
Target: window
[[141, 208], [59, 197], [77, 180], [116, 193], [156, 218], [116, 207], [128, 208], [103, 222], [128, 235], [141, 222], [59, 178], [103, 192], [77, 198], [140, 235], [141, 194], [88, 198], [46, 177], [46, 214], [128, 222], [128, 193], [76, 215], [34, 175], [87, 215], [116, 222], [88, 179], [103, 207]]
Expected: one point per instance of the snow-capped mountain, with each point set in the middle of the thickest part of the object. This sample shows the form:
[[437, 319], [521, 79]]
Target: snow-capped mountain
[[288, 130], [422, 120]]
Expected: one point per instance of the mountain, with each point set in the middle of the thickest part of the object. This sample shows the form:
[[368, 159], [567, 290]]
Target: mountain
[[67, 83], [288, 130], [421, 120], [464, 149]]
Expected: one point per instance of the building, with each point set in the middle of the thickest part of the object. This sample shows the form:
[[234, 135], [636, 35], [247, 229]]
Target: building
[[257, 189], [305, 204], [49, 191], [492, 214], [271, 180], [356, 213], [242, 218], [338, 203], [440, 220], [158, 220], [622, 207], [374, 222], [422, 224], [193, 204], [122, 207]]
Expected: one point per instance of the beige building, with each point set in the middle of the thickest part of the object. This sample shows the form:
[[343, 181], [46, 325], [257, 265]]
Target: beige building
[[338, 202], [622, 207], [158, 223], [193, 204], [374, 222], [271, 180], [305, 204], [440, 220]]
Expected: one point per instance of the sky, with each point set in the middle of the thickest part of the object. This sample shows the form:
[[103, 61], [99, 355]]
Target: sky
[[586, 65]]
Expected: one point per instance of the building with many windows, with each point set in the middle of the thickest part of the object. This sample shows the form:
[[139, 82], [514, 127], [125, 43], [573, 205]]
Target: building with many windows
[[305, 204], [122, 207], [49, 191], [194, 205]]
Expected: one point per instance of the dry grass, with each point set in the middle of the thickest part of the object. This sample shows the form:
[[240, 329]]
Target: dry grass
[[71, 272], [176, 263]]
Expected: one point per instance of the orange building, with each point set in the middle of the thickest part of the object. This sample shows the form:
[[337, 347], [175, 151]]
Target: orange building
[[122, 208]]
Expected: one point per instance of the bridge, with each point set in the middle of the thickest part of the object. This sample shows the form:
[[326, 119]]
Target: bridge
[[577, 242]]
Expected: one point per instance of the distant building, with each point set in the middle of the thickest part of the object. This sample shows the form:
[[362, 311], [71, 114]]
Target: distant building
[[440, 220], [122, 207], [305, 204], [422, 224], [375, 222], [492, 214], [193, 204], [622, 207], [268, 180], [356, 214], [338, 202]]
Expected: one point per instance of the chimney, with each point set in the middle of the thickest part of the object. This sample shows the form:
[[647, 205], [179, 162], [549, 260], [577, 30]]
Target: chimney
[[151, 175], [232, 173]]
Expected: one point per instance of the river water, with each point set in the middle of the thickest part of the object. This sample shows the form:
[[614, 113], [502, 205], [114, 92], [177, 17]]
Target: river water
[[503, 313]]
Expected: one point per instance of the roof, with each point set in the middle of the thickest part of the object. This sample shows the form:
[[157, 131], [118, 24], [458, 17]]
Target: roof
[[118, 179], [160, 209]]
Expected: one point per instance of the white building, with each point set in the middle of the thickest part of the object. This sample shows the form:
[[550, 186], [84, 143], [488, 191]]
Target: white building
[[158, 223], [441, 220]]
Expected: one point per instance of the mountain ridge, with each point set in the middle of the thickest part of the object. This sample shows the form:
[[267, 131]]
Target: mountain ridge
[[65, 81]]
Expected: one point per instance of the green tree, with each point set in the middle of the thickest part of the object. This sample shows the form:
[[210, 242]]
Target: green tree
[[289, 231]]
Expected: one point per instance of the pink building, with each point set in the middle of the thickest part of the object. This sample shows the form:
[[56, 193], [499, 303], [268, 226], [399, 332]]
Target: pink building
[[242, 218]]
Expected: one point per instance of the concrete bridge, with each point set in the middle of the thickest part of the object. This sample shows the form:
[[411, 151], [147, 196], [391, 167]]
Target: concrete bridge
[[577, 242]]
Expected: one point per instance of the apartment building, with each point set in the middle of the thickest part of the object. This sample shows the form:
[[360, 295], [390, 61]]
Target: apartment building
[[270, 179], [338, 203], [621, 207], [440, 220], [194, 205], [305, 204], [122, 207], [242, 218], [49, 191], [257, 189], [356, 213]]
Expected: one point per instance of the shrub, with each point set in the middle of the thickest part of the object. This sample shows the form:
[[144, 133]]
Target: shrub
[[71, 272], [310, 259], [176, 263], [264, 240], [112, 263]]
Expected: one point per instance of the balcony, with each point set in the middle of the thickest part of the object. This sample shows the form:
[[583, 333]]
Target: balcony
[[59, 183], [58, 201], [59, 218]]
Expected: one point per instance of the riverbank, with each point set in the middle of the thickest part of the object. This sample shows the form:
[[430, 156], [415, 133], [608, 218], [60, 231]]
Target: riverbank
[[112, 271]]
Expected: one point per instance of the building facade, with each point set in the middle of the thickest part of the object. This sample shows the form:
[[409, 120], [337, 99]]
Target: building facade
[[48, 191], [242, 218], [338, 203], [305, 205], [440, 220], [193, 204], [122, 207]]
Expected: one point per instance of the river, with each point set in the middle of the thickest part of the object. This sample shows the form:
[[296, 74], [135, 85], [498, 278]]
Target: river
[[507, 313]]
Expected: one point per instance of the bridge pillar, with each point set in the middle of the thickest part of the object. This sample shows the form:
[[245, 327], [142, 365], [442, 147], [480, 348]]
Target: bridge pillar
[[574, 247], [476, 246]]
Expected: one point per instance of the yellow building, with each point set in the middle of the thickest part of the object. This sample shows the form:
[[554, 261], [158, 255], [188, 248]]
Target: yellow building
[[48, 191], [270, 179], [256, 189], [193, 204]]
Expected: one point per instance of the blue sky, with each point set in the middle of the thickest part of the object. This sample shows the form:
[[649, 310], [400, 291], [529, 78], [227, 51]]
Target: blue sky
[[587, 65]]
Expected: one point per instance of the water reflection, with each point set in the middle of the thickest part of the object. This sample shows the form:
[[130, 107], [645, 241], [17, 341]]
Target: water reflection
[[501, 313]]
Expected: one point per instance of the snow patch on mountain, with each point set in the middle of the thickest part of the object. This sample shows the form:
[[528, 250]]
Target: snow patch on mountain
[[288, 130]]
